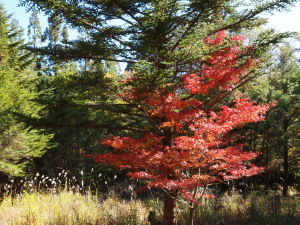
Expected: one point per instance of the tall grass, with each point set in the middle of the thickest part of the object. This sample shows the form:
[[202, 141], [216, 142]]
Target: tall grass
[[65, 200], [69, 208], [257, 209]]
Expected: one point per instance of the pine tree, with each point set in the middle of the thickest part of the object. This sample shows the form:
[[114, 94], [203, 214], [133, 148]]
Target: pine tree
[[34, 28], [277, 136], [18, 142], [164, 33], [163, 40], [69, 113], [55, 29], [70, 100], [65, 34], [287, 87], [129, 31]]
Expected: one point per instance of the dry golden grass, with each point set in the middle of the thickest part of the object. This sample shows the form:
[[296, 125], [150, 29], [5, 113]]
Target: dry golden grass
[[64, 200], [67, 208]]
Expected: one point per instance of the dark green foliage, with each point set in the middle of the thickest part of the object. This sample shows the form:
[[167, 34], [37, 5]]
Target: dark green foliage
[[19, 143], [53, 32], [149, 30], [34, 28], [70, 113], [161, 40], [277, 137]]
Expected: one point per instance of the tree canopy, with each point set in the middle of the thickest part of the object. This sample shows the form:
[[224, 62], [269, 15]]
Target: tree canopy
[[18, 142], [185, 58]]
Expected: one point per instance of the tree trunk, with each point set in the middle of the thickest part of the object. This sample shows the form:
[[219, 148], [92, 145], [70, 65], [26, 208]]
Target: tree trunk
[[230, 187], [266, 152], [285, 158], [191, 216], [245, 187], [169, 196], [170, 208]]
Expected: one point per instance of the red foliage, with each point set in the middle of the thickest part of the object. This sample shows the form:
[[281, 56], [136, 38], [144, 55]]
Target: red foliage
[[222, 69], [191, 147]]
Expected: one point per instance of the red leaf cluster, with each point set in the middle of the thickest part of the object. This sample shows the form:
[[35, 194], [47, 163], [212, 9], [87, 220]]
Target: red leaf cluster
[[223, 69], [191, 146]]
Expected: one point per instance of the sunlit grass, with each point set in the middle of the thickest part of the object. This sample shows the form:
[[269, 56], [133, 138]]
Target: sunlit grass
[[65, 200], [70, 208], [257, 209]]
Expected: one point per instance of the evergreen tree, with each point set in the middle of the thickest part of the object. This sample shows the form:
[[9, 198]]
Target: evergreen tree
[[277, 136], [65, 34], [53, 33], [164, 33], [163, 40], [129, 31], [68, 106], [34, 28], [70, 98], [288, 97], [18, 142]]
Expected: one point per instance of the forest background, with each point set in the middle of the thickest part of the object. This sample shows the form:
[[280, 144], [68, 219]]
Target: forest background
[[52, 112]]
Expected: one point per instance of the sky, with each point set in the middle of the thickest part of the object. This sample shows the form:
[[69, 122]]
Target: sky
[[284, 21]]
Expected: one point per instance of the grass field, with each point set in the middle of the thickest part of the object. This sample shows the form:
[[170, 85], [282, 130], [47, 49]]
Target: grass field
[[63, 204]]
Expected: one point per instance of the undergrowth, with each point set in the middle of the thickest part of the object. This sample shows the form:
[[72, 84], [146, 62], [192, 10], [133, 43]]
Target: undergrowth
[[67, 201], [68, 208]]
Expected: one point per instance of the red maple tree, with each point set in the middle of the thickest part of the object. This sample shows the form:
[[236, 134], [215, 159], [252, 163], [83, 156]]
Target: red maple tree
[[190, 146]]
